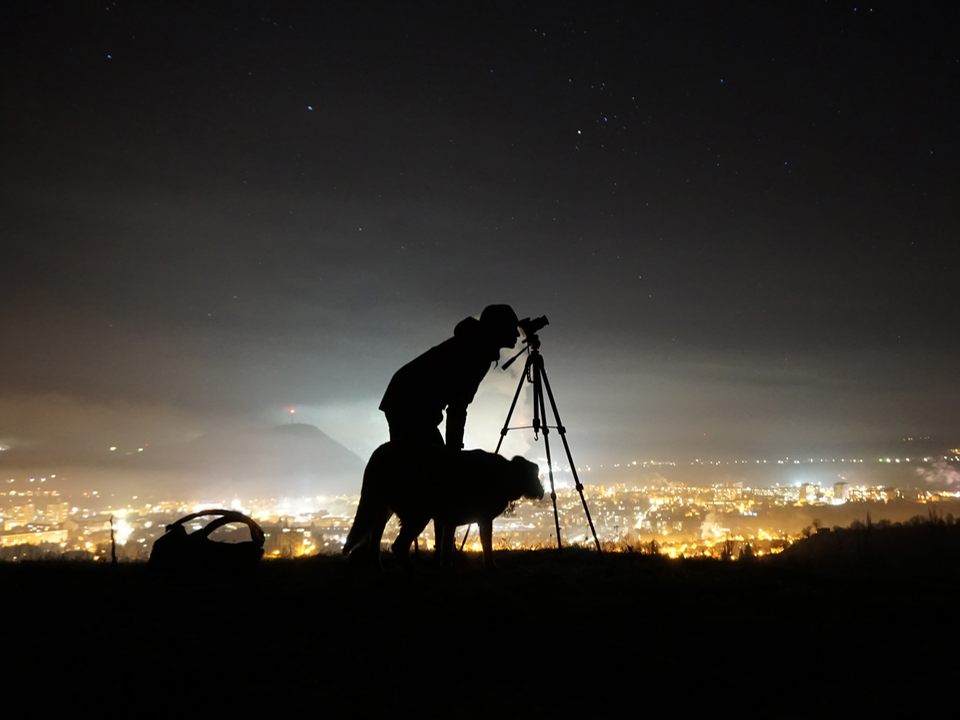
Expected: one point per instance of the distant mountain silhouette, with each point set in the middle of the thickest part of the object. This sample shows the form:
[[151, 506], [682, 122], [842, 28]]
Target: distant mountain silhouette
[[286, 460], [295, 459]]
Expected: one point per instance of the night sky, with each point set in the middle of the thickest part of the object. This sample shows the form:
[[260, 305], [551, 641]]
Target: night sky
[[740, 221]]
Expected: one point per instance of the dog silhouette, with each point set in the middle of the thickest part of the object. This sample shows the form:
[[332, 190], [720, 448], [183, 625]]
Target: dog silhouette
[[420, 482]]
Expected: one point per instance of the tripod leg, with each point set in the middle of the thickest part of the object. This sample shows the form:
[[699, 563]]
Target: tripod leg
[[540, 411], [466, 534], [513, 405], [506, 427], [573, 468]]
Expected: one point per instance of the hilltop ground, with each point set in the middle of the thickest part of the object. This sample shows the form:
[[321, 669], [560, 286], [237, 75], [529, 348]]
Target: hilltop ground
[[571, 634]]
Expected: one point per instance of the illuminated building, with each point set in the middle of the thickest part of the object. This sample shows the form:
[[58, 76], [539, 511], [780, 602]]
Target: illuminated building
[[22, 514], [808, 493], [33, 538], [57, 513]]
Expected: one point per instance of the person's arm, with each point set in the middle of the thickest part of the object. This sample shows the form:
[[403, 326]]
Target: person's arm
[[471, 370], [456, 421]]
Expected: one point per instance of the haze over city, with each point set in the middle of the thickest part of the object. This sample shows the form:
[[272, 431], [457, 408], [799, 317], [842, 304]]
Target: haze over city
[[740, 223]]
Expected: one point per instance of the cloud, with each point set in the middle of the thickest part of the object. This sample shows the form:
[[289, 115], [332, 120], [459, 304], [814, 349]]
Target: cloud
[[940, 474], [488, 412], [45, 428], [358, 424]]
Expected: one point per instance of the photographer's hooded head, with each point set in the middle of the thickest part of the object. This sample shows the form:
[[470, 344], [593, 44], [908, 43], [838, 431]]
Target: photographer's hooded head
[[498, 325]]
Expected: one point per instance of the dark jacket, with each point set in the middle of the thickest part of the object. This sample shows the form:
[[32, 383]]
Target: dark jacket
[[445, 377]]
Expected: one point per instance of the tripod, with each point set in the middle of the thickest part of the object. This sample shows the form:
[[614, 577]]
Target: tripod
[[533, 372]]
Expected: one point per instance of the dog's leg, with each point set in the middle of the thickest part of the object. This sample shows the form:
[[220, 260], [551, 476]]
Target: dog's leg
[[448, 544], [439, 532], [408, 533], [486, 542], [376, 535]]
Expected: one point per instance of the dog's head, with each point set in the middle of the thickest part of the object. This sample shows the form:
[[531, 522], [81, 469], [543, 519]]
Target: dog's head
[[528, 477]]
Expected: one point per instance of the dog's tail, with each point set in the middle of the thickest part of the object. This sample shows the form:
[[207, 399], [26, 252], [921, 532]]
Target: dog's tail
[[355, 536], [372, 513], [362, 525]]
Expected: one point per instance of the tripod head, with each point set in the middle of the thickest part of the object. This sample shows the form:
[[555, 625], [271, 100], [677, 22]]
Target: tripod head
[[529, 329]]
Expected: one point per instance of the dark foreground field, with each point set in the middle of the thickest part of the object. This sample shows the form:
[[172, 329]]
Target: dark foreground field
[[549, 635]]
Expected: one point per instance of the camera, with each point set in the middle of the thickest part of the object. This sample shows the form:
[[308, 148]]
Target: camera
[[532, 326]]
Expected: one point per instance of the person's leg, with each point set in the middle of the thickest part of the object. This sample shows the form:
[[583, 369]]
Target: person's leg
[[408, 532], [405, 430]]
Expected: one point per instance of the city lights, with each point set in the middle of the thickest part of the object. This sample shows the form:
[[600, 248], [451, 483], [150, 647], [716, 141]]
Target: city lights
[[636, 514]]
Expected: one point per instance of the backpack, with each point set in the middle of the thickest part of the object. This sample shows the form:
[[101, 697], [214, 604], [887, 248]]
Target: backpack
[[176, 549]]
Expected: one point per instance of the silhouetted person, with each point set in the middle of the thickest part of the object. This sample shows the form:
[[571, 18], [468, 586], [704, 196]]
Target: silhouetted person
[[445, 379]]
